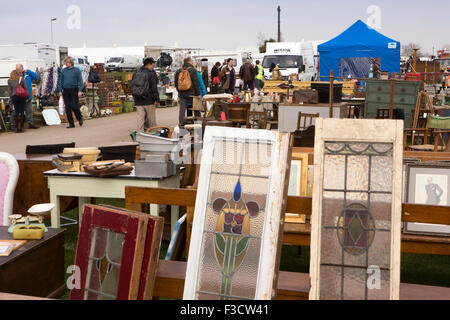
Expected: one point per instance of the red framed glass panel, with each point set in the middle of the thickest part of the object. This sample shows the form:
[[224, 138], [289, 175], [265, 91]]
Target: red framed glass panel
[[109, 254]]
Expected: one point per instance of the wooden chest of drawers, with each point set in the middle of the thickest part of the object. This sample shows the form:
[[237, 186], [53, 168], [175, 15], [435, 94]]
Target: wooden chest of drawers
[[378, 95]]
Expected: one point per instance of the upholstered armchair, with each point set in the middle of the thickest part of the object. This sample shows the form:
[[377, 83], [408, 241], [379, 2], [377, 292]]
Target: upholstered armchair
[[9, 174]]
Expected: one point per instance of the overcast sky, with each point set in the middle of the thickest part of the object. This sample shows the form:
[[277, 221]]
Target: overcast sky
[[216, 24]]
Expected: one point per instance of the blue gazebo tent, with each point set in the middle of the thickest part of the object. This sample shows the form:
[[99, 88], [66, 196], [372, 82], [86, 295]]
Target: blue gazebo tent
[[353, 51]]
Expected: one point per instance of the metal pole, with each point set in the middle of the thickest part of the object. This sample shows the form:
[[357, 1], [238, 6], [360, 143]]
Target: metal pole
[[331, 92], [279, 24], [51, 27]]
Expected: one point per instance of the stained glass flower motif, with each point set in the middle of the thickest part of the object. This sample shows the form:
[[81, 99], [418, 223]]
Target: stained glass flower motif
[[232, 234]]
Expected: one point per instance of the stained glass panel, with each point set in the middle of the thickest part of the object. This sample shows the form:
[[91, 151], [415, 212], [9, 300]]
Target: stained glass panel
[[104, 265], [356, 211], [234, 221]]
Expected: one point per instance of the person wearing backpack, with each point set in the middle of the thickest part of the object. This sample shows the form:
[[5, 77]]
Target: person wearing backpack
[[144, 88], [188, 86]]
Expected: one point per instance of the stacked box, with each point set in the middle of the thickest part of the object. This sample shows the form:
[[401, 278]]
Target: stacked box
[[159, 156]]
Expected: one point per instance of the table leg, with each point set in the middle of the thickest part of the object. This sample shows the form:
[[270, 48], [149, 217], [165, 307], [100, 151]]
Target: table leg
[[55, 214], [81, 202], [154, 210]]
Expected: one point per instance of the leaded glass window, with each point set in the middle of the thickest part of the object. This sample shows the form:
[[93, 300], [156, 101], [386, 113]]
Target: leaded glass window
[[104, 265], [356, 218], [238, 188], [356, 227]]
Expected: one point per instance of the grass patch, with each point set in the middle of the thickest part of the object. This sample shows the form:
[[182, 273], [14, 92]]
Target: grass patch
[[430, 270]]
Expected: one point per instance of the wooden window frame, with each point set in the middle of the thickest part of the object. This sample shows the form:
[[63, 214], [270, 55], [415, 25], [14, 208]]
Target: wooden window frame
[[274, 211], [365, 131], [142, 239]]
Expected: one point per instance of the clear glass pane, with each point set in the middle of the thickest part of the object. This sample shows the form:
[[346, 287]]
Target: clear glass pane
[[358, 173], [381, 174], [334, 166]]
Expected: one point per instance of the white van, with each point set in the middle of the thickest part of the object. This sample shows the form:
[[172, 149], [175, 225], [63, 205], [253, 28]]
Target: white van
[[292, 58], [123, 63]]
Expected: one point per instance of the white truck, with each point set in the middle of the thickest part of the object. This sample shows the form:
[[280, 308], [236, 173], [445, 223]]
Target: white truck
[[292, 58], [51, 55], [123, 63]]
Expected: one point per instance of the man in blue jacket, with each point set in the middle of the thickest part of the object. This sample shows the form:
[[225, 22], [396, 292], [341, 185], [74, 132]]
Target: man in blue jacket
[[28, 76], [70, 88]]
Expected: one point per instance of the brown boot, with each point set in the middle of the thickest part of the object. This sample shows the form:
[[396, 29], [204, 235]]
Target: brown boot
[[21, 122], [16, 123]]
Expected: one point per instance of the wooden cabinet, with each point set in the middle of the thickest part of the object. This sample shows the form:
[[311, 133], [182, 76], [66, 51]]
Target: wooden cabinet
[[378, 95], [37, 268]]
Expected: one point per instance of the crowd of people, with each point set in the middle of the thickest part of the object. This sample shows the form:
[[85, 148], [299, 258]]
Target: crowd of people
[[21, 94], [190, 81]]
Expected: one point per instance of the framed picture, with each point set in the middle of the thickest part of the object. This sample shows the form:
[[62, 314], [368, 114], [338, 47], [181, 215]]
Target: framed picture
[[298, 183], [428, 183], [237, 230], [176, 241], [8, 246]]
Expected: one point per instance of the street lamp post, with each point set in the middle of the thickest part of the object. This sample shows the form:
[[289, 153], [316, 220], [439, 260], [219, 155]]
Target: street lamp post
[[51, 27]]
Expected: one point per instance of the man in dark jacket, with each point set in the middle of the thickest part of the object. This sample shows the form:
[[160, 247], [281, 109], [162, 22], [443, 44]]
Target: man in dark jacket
[[185, 96], [247, 73], [146, 107]]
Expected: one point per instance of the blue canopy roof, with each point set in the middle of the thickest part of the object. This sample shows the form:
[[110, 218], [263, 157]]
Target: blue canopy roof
[[359, 41]]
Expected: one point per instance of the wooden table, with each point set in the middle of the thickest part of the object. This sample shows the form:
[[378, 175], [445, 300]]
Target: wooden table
[[85, 186], [37, 268]]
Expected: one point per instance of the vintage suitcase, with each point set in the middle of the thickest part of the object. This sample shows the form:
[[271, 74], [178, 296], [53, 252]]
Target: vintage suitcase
[[305, 96]]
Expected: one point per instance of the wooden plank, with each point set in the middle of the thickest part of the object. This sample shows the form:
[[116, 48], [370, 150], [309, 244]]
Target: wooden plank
[[291, 285], [300, 235], [425, 213], [162, 196]]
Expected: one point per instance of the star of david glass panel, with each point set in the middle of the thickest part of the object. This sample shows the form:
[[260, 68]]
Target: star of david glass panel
[[356, 219]]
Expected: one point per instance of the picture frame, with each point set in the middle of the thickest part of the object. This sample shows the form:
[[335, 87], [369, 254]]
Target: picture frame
[[433, 179], [8, 246], [178, 235], [6, 249], [298, 184]]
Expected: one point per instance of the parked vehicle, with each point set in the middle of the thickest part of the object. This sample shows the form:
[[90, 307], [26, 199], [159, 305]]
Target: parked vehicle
[[293, 58], [51, 55], [123, 63], [80, 61]]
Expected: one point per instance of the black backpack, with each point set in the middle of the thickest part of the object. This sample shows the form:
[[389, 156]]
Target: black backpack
[[94, 77], [140, 86]]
